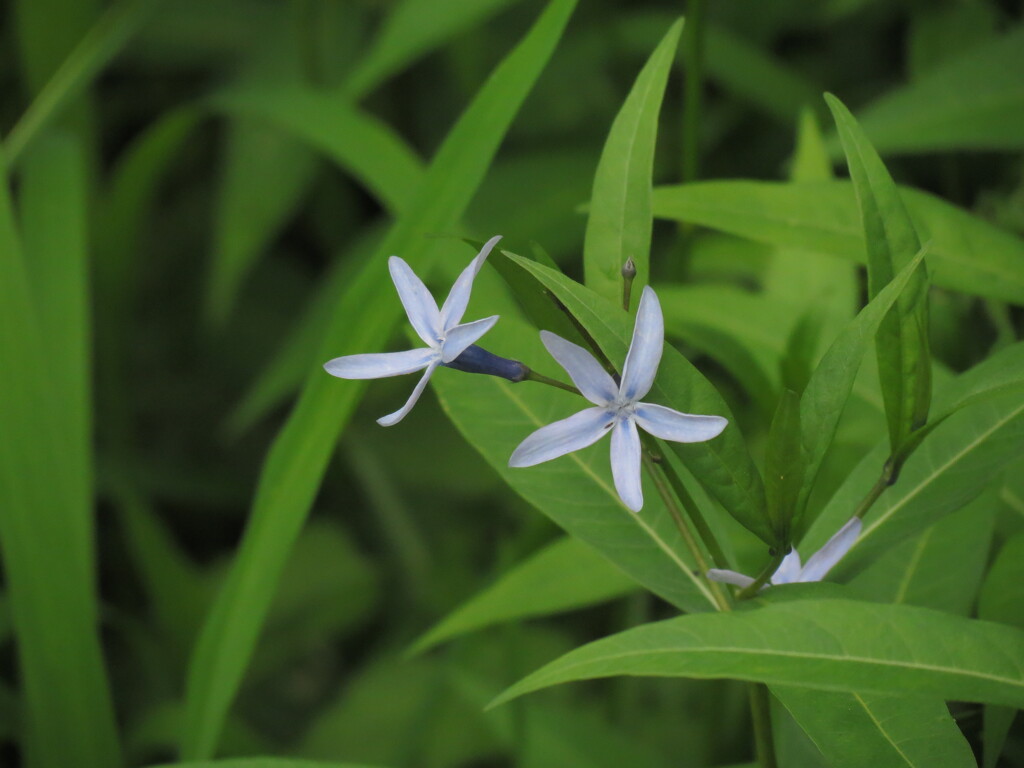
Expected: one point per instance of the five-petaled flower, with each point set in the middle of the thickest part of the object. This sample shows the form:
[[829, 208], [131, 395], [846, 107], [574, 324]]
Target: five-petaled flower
[[440, 329], [790, 570], [617, 406]]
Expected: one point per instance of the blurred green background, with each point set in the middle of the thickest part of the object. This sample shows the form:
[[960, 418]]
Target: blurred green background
[[223, 211]]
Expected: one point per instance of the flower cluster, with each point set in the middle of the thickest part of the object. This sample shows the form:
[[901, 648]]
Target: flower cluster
[[617, 404]]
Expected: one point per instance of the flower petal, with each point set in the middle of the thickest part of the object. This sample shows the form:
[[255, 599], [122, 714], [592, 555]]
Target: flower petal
[[644, 354], [562, 437], [462, 336], [393, 418], [626, 464], [822, 561], [419, 304], [458, 298], [379, 365], [788, 570], [679, 427], [729, 577], [586, 373]]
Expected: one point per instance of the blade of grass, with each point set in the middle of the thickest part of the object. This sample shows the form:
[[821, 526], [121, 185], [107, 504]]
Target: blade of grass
[[362, 321], [101, 44], [68, 709]]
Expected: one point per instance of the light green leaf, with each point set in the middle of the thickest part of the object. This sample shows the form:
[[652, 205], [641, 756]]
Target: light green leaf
[[972, 102], [261, 762], [857, 729], [833, 645], [940, 568], [265, 174], [45, 501], [363, 320], [359, 143], [829, 388], [619, 224], [723, 465], [410, 30], [904, 365], [966, 253], [783, 464], [576, 491], [953, 464], [561, 577]]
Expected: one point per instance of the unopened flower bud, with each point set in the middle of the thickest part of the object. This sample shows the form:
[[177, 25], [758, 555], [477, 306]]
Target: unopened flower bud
[[478, 360]]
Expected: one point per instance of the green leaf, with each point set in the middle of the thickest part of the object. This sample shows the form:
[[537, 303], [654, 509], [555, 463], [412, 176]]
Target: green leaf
[[619, 224], [857, 729], [410, 30], [940, 568], [972, 102], [265, 174], [46, 501], [1002, 600], [723, 465], [562, 576], [833, 645], [363, 320], [783, 465], [576, 491], [356, 141], [97, 47], [904, 365], [954, 463], [829, 388], [967, 254]]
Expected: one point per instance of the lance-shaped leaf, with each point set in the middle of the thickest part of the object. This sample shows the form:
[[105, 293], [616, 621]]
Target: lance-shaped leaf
[[829, 387], [563, 576], [884, 731], [904, 367], [362, 320], [619, 224], [723, 465], [967, 253], [783, 466], [834, 645]]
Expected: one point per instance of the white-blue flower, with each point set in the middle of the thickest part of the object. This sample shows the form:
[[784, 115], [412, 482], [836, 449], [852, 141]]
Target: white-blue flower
[[791, 572], [440, 330], [618, 408]]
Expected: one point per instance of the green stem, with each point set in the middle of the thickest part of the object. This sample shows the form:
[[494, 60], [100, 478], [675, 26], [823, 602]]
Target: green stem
[[100, 44], [760, 713], [721, 599], [699, 522], [542, 379], [762, 579], [883, 482], [693, 59]]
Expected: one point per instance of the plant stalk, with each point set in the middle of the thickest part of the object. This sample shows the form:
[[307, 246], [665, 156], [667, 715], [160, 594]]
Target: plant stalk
[[760, 713], [542, 379]]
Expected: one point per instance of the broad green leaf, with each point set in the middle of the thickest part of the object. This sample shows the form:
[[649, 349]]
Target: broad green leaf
[[1001, 600], [966, 253], [563, 576], [954, 463], [359, 143], [857, 729], [972, 102], [722, 465], [904, 366], [410, 30], [576, 491], [533, 298], [619, 222], [103, 41], [940, 568], [53, 206], [265, 174], [67, 706], [829, 388], [833, 645], [362, 321]]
